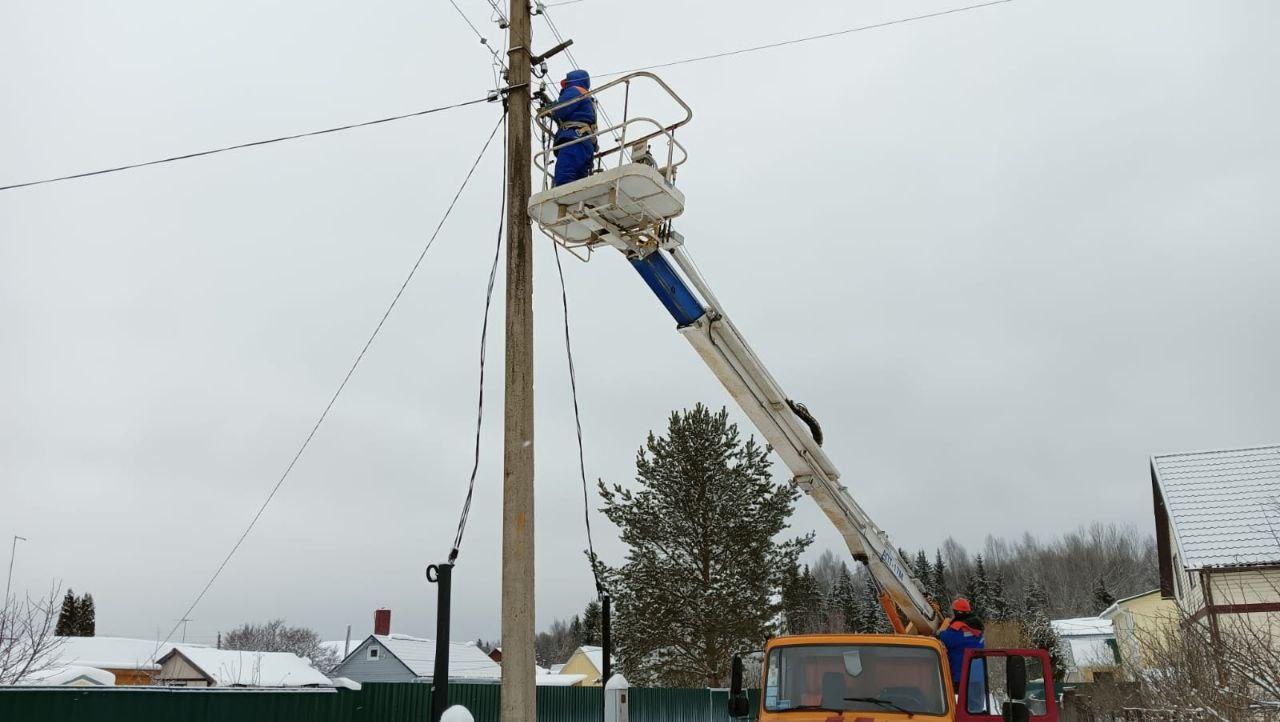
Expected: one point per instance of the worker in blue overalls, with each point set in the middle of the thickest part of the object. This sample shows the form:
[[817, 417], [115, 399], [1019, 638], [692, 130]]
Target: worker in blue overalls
[[576, 120]]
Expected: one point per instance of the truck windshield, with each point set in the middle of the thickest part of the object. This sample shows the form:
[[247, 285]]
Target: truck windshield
[[859, 677]]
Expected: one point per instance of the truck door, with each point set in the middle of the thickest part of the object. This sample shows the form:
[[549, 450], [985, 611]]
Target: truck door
[[1006, 684]]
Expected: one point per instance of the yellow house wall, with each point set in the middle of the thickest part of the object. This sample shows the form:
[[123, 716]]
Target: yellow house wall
[[579, 663], [1251, 587], [1139, 619]]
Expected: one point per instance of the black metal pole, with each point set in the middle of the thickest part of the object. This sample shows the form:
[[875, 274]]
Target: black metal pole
[[605, 640], [442, 576]]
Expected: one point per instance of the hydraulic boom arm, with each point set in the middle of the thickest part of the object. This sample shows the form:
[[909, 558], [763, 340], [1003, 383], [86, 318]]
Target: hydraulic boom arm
[[787, 426]]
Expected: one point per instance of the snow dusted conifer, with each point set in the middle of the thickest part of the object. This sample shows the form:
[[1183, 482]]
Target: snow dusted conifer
[[86, 622], [998, 607], [813, 606], [1102, 597], [846, 600], [920, 570], [703, 564], [938, 581], [68, 619], [591, 617], [1035, 619], [873, 620]]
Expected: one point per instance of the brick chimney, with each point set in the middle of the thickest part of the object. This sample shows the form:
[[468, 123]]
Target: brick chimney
[[382, 622]]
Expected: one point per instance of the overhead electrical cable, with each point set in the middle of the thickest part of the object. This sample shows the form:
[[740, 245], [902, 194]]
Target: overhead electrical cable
[[806, 39], [497, 59], [551, 24], [484, 336], [240, 146], [577, 423], [350, 372]]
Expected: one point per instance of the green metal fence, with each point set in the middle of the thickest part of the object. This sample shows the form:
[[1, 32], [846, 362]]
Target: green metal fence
[[372, 703]]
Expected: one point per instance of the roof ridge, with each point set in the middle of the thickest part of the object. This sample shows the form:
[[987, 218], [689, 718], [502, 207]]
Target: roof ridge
[[1199, 452]]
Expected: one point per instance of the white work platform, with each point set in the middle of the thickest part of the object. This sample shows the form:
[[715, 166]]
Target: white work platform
[[630, 199]]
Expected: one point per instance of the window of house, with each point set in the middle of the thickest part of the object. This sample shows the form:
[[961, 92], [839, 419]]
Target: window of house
[[374, 652], [1191, 579]]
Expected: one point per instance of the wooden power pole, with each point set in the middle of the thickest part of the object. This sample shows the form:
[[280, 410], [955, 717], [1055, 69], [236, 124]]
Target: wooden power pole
[[518, 663]]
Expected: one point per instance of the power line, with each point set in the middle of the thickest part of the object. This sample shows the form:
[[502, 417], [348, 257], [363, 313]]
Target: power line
[[484, 335], [551, 24], [806, 39], [497, 59], [240, 146], [351, 371]]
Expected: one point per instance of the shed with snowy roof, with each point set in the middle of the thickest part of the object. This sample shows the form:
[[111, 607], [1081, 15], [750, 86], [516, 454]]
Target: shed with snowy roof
[[1217, 517], [190, 666], [1088, 646]]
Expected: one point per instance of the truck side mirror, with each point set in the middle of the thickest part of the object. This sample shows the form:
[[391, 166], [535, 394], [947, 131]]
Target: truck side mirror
[[1017, 677], [738, 705]]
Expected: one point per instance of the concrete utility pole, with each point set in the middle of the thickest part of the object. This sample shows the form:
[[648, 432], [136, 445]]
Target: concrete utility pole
[[517, 455]]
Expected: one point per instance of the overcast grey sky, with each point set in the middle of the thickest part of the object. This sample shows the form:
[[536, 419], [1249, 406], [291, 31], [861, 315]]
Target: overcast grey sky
[[1004, 256]]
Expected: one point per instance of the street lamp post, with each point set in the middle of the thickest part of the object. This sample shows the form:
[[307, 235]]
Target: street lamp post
[[12, 550]]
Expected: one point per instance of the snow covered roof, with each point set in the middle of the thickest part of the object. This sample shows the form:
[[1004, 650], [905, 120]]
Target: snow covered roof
[[1084, 627], [595, 655], [1222, 504], [558, 680], [110, 652], [229, 667], [1087, 641], [466, 661], [71, 675], [1111, 611]]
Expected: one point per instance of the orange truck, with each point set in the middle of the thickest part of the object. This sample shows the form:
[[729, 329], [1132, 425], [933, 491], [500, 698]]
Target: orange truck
[[882, 677]]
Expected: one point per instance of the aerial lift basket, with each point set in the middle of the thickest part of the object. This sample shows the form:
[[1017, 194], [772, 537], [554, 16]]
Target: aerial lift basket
[[630, 199]]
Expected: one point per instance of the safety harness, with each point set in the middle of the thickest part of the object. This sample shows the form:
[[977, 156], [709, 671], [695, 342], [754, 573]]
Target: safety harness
[[577, 126]]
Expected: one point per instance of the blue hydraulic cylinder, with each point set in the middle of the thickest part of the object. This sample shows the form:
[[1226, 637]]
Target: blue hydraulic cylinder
[[669, 287]]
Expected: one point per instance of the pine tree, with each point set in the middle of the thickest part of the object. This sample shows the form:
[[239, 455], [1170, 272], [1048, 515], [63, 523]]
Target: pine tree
[[846, 600], [791, 601], [575, 629], [813, 605], [86, 624], [704, 561], [920, 570], [872, 620], [998, 607], [68, 622], [1040, 633], [938, 581], [1102, 597], [591, 629]]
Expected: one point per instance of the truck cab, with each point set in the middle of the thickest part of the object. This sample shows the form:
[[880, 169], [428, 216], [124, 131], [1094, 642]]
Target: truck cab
[[878, 678]]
